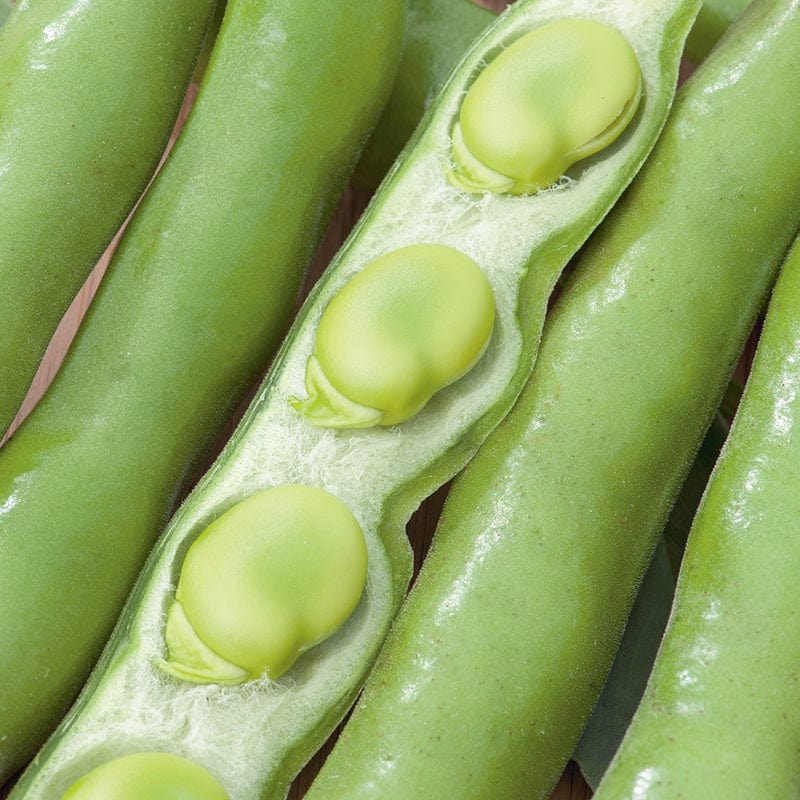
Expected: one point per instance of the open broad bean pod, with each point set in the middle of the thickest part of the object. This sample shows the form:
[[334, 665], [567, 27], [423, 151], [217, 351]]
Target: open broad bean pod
[[254, 734]]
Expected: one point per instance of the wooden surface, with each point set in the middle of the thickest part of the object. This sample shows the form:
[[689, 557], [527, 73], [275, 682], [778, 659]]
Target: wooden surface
[[422, 525]]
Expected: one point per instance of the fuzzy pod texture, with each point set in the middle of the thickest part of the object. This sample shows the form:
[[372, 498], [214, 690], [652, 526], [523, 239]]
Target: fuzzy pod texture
[[257, 736], [193, 306], [89, 92], [720, 714], [493, 667]]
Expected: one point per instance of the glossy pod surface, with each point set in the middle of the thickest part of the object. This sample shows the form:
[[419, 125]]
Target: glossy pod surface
[[380, 474], [644, 629], [85, 112], [512, 625], [192, 308], [724, 689]]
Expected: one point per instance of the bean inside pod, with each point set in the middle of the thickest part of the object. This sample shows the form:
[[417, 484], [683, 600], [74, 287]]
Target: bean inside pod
[[155, 776], [273, 576], [557, 95], [410, 323]]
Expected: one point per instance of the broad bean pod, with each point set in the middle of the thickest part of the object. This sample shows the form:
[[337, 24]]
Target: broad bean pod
[[192, 308], [721, 712], [511, 627], [436, 34], [256, 736], [627, 679], [82, 127], [624, 687]]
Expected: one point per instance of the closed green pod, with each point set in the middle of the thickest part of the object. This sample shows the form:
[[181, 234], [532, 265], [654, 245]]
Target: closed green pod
[[512, 625], [724, 689], [89, 93]]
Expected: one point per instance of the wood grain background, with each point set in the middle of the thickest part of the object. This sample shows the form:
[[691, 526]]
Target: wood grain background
[[422, 525]]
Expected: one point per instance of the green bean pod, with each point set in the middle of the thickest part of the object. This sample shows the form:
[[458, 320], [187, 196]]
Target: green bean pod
[[89, 93], [437, 32], [624, 687], [493, 667], [193, 306], [255, 736], [721, 712], [627, 679], [6, 7], [155, 776]]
